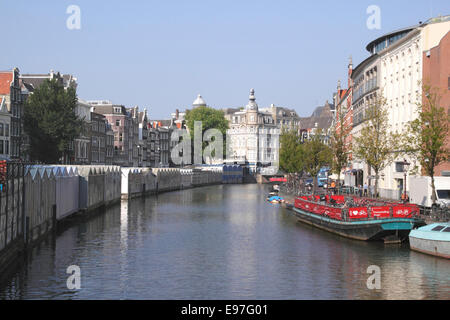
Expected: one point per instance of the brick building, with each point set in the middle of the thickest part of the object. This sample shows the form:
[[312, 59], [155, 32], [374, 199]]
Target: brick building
[[436, 71], [98, 138], [10, 92], [121, 124]]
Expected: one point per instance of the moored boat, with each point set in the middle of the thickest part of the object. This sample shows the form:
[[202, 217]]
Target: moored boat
[[359, 218], [275, 199], [433, 239]]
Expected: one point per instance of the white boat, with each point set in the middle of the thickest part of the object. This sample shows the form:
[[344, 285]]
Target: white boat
[[433, 239]]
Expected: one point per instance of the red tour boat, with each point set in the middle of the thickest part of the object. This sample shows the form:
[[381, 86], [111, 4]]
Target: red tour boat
[[359, 218]]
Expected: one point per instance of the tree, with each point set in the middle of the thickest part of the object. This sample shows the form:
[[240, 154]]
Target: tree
[[211, 119], [375, 144], [291, 152], [316, 155], [427, 135], [340, 147], [50, 122]]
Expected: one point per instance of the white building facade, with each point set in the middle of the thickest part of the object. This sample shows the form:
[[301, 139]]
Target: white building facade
[[394, 70], [253, 138], [401, 84], [5, 124]]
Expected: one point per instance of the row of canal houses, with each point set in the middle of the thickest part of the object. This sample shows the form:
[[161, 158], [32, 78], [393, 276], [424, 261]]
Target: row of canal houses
[[398, 64], [114, 135]]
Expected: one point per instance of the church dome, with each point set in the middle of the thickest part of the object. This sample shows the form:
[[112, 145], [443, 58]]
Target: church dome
[[252, 105], [199, 102]]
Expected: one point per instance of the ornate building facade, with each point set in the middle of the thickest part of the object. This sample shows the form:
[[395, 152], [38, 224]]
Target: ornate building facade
[[253, 138]]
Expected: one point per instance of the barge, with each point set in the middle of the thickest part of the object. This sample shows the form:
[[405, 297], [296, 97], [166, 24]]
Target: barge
[[359, 218]]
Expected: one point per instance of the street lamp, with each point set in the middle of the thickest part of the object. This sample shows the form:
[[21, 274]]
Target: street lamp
[[406, 165]]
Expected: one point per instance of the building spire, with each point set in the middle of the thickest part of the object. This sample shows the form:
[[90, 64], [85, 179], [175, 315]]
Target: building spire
[[252, 101], [252, 95]]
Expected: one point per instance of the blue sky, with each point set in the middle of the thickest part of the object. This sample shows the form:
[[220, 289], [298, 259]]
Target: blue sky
[[161, 54]]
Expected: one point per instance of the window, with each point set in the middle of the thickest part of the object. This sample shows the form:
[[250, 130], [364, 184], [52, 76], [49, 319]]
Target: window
[[1, 147], [6, 130], [446, 229], [399, 167], [1, 130], [118, 123], [438, 228], [443, 194]]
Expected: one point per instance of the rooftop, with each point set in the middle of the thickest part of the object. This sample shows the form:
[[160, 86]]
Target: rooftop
[[6, 77]]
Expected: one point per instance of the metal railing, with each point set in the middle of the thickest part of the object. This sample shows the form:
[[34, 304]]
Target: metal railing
[[439, 214]]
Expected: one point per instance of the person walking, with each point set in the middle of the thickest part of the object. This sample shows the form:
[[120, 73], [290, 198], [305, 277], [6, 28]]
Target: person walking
[[366, 188]]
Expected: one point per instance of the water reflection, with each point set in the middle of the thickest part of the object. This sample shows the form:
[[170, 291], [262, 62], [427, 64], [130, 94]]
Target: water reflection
[[219, 242]]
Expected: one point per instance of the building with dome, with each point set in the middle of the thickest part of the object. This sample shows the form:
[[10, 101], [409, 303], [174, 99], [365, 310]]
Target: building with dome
[[180, 117], [199, 102], [253, 137]]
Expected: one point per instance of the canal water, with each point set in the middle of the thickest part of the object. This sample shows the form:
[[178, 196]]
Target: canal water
[[218, 242]]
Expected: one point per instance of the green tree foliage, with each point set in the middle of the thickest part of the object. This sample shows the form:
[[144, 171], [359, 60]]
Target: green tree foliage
[[211, 119], [50, 122], [316, 155], [291, 152], [375, 144], [340, 147], [427, 135]]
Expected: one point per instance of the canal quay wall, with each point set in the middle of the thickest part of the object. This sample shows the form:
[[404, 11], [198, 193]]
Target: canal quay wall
[[33, 206]]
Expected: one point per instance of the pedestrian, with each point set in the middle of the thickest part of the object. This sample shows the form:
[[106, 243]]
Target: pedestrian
[[360, 190], [366, 188]]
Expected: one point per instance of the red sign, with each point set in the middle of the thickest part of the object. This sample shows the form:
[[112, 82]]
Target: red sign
[[277, 180], [358, 213], [334, 213], [380, 212], [402, 212]]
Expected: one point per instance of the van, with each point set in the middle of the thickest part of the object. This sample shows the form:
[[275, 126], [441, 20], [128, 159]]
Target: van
[[420, 191]]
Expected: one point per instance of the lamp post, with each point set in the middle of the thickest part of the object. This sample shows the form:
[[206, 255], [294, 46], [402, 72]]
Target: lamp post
[[405, 171]]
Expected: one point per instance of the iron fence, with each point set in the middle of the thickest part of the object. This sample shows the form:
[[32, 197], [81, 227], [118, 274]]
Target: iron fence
[[439, 214]]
